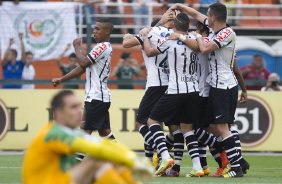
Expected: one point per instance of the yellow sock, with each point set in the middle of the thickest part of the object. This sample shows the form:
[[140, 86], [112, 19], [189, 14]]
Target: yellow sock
[[109, 176]]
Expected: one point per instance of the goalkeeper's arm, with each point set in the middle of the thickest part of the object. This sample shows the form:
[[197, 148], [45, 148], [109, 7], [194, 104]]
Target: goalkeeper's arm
[[105, 150]]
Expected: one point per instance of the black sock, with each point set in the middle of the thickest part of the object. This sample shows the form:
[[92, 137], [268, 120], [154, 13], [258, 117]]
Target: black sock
[[216, 156], [147, 135], [192, 146], [110, 136], [169, 141], [208, 139], [203, 155], [178, 147], [235, 135], [228, 144], [159, 138]]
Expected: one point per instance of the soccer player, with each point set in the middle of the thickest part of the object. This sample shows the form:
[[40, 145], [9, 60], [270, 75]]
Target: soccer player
[[50, 157], [97, 67], [157, 82], [180, 102], [223, 94]]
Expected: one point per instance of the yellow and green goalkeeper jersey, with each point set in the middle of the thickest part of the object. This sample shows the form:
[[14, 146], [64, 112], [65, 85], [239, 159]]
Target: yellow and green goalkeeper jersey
[[51, 154]]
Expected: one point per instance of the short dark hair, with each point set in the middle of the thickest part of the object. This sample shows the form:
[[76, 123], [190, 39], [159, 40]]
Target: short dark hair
[[28, 53], [202, 28], [107, 22], [182, 22], [72, 55], [155, 21], [219, 10], [57, 101], [15, 52]]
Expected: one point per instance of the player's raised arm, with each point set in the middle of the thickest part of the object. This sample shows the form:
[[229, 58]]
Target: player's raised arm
[[130, 40], [82, 60], [190, 11], [78, 71]]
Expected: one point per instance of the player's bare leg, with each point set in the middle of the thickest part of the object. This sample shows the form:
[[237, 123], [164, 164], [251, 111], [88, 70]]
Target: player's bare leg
[[192, 147]]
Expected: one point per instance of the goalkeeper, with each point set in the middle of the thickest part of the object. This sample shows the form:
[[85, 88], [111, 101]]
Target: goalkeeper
[[50, 157]]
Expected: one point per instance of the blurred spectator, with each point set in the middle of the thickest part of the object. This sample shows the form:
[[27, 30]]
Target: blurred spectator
[[28, 71], [115, 10], [66, 68], [13, 68], [126, 70], [272, 83], [142, 9], [232, 11], [206, 3], [255, 71]]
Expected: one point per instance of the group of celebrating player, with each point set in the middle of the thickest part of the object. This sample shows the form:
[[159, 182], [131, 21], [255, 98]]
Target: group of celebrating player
[[192, 87]]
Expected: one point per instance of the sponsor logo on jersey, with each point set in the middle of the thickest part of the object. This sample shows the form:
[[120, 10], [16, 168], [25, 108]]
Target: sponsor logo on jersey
[[164, 34], [253, 121], [180, 42], [223, 34], [4, 119], [162, 41], [99, 50]]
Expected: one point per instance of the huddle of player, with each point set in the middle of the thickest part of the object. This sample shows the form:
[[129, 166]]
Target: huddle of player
[[192, 86]]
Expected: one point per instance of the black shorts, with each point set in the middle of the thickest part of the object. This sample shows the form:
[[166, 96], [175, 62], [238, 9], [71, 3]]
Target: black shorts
[[96, 114], [151, 97], [204, 120], [222, 105], [172, 108]]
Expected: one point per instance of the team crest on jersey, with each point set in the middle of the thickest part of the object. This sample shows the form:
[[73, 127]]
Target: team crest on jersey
[[164, 34], [223, 34], [99, 49], [180, 42]]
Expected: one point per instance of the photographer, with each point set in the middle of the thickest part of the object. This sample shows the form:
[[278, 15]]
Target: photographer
[[272, 83]]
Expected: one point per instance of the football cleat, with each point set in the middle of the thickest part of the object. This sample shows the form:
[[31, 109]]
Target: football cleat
[[194, 173], [155, 160], [172, 172], [218, 172], [207, 171], [224, 159], [164, 165], [233, 173], [244, 165]]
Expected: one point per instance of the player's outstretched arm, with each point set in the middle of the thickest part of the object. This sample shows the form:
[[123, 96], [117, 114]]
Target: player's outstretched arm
[[6, 54], [190, 11], [239, 76], [82, 60], [205, 47], [191, 43], [78, 71], [129, 41]]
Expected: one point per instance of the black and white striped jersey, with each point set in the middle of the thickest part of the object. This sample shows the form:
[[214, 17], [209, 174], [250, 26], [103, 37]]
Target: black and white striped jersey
[[157, 66], [221, 60], [96, 86], [182, 65], [202, 73]]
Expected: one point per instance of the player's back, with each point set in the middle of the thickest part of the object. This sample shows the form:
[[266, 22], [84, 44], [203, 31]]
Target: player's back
[[49, 156], [182, 64]]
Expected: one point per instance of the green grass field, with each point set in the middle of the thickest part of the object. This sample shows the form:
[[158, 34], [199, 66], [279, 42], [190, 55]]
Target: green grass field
[[264, 170]]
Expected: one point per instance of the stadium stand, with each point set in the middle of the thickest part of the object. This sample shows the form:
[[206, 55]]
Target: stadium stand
[[255, 15]]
